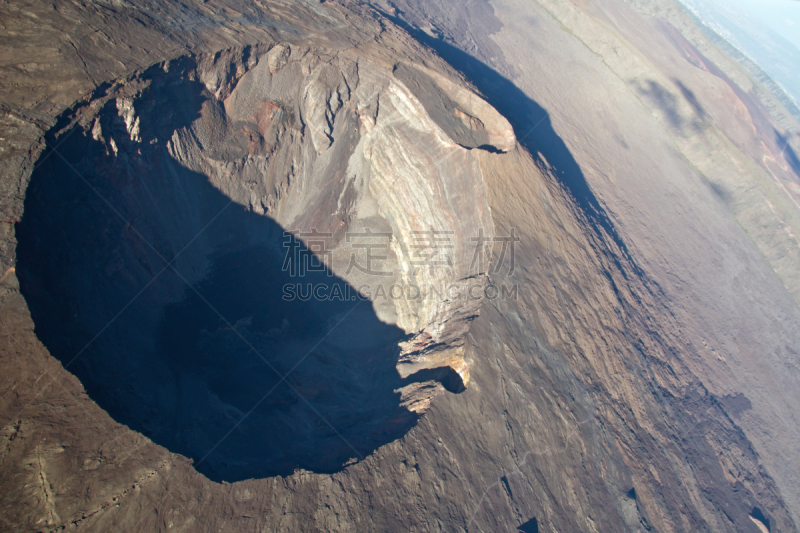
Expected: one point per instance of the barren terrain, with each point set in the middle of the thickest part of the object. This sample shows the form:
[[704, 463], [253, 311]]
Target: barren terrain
[[637, 189]]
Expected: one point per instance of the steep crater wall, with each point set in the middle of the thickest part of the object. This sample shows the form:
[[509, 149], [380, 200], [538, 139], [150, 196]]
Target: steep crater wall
[[216, 246]]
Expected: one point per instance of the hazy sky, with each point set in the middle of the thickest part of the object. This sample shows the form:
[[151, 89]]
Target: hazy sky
[[783, 16]]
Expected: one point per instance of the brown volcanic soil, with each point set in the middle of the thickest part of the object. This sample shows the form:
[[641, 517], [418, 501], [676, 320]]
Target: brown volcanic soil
[[645, 378]]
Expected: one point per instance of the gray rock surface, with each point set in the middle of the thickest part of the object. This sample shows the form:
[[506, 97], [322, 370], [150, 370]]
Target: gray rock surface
[[642, 376]]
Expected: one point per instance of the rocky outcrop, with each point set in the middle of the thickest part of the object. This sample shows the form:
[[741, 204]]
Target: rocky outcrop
[[379, 208], [387, 151], [150, 357]]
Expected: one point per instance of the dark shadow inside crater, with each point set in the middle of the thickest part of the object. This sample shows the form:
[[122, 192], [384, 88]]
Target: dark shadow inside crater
[[168, 302]]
